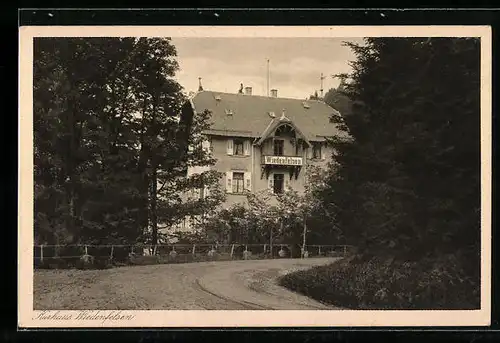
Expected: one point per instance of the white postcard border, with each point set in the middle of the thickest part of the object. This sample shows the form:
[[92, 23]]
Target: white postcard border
[[28, 318]]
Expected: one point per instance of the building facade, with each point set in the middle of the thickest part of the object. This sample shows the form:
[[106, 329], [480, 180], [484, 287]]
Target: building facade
[[264, 143]]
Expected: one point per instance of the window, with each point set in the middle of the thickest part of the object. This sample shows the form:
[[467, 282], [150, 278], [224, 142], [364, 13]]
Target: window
[[278, 147], [298, 148], [316, 150], [238, 147], [238, 182], [285, 130], [279, 180]]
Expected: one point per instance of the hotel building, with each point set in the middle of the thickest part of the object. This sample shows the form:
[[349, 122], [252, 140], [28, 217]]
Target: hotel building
[[263, 142]]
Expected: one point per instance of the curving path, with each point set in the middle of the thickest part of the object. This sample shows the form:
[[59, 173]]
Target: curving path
[[232, 285]]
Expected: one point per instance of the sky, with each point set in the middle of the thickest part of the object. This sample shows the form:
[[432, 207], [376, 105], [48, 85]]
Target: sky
[[295, 64]]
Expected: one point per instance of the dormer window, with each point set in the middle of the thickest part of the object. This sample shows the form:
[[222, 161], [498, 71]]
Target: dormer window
[[229, 112]]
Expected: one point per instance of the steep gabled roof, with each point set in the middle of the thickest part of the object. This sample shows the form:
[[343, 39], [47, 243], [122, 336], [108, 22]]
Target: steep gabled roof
[[273, 125], [249, 115]]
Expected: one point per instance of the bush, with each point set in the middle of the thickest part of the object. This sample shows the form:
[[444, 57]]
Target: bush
[[52, 263], [85, 262], [388, 284], [144, 260]]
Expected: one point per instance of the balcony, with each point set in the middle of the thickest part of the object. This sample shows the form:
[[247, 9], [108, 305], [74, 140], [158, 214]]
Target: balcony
[[282, 160], [293, 163]]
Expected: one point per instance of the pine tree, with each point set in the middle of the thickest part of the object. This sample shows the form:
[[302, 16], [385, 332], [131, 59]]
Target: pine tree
[[407, 182], [107, 133]]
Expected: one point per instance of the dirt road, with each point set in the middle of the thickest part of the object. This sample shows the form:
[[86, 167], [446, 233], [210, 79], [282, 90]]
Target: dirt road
[[235, 285]]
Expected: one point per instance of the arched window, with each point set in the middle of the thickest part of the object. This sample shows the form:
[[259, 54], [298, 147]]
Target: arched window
[[285, 130]]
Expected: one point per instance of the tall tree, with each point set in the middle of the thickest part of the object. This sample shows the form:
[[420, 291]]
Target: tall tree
[[74, 145], [106, 134], [407, 182]]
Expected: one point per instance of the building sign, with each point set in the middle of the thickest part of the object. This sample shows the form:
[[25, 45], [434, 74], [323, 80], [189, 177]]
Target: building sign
[[283, 160]]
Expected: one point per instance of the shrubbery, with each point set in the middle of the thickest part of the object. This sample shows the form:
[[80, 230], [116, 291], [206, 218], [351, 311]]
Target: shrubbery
[[384, 283]]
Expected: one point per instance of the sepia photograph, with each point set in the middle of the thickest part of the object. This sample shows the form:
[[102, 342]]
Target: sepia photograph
[[318, 173]]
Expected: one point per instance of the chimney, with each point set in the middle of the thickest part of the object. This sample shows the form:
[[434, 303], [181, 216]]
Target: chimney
[[248, 90], [274, 93]]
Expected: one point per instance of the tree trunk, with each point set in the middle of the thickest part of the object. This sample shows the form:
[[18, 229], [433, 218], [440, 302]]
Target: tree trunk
[[71, 171], [143, 215], [154, 216], [271, 242], [304, 237], [154, 179]]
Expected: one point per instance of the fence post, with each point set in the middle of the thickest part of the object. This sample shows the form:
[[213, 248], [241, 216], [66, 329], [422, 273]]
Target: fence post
[[111, 254], [41, 253], [86, 250], [265, 248], [194, 249], [232, 250], [345, 250], [319, 250], [154, 250]]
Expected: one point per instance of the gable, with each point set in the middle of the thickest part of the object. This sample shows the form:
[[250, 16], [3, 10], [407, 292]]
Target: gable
[[275, 124]]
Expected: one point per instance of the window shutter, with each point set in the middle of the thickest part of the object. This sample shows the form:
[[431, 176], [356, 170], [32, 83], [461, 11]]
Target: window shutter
[[229, 183], [271, 183], [246, 147], [248, 181], [206, 145], [207, 191], [229, 146]]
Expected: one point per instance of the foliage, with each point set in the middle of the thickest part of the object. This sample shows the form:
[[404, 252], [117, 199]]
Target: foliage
[[315, 96], [339, 99], [109, 146], [407, 184], [389, 284], [282, 216]]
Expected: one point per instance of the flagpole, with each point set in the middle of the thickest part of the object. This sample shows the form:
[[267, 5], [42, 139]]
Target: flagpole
[[268, 77], [321, 90]]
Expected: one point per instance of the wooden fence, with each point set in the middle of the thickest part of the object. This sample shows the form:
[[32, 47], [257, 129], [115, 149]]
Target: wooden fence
[[118, 252]]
